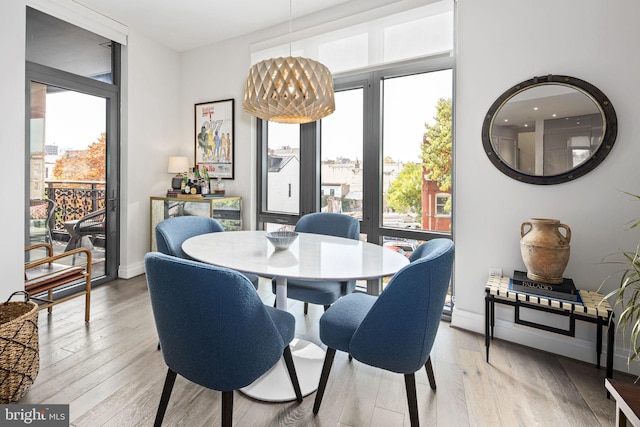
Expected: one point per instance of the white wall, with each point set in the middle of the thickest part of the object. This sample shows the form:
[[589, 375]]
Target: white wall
[[12, 88], [216, 73], [150, 135], [501, 44]]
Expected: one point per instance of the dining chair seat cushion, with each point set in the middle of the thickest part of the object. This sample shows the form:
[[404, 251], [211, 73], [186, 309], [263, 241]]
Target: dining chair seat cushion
[[316, 292], [341, 320]]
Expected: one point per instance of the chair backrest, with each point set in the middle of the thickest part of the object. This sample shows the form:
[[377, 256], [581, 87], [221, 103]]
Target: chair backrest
[[92, 223], [427, 248], [172, 232], [398, 332], [331, 224], [214, 330], [44, 209]]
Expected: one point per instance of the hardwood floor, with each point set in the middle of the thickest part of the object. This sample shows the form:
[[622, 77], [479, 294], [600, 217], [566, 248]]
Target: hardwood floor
[[111, 374]]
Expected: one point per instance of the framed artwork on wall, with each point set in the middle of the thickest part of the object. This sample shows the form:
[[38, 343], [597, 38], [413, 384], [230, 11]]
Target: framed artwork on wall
[[214, 137]]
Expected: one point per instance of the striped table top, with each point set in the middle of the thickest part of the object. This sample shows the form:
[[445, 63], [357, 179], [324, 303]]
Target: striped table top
[[593, 303]]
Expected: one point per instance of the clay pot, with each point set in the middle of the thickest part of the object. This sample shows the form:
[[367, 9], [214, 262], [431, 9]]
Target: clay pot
[[545, 251]]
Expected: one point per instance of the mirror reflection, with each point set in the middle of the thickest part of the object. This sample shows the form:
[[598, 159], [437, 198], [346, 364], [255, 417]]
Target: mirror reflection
[[549, 130]]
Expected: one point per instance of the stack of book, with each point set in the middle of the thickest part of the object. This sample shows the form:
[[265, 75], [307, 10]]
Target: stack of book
[[213, 196], [566, 290]]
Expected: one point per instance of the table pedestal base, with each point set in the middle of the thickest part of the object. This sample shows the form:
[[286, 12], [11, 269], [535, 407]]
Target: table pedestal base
[[275, 384]]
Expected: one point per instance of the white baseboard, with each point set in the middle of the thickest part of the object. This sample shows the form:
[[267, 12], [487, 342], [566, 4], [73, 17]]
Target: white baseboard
[[574, 348], [130, 271]]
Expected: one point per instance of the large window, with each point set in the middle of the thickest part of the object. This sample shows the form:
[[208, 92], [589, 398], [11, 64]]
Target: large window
[[341, 151], [385, 155]]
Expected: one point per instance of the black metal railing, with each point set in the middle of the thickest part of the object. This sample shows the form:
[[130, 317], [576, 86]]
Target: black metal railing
[[74, 200]]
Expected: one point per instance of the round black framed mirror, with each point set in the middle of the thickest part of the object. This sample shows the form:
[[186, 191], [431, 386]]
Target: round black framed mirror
[[549, 130]]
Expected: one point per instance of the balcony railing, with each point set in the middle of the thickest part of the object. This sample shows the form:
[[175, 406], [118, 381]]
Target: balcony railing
[[74, 200]]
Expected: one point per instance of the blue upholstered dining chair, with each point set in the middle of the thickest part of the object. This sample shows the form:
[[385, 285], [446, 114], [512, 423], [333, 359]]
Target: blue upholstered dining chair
[[327, 292], [225, 339], [396, 330], [172, 232]]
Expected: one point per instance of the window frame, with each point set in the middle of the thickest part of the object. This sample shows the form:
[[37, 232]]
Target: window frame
[[310, 159]]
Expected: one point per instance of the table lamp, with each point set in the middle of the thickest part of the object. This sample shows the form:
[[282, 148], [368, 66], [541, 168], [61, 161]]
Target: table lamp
[[177, 165]]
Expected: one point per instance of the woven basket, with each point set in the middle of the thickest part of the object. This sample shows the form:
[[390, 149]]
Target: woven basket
[[19, 350]]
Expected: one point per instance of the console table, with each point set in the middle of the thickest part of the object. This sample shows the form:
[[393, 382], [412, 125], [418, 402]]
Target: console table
[[227, 210], [592, 309]]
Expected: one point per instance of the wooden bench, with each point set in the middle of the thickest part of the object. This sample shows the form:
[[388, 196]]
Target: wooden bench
[[52, 272]]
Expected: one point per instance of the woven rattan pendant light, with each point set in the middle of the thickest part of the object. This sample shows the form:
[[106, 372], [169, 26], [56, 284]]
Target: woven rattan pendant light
[[289, 90]]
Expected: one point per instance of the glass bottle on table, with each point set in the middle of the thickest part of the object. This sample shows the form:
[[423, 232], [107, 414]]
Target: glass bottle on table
[[205, 182], [219, 189], [185, 179]]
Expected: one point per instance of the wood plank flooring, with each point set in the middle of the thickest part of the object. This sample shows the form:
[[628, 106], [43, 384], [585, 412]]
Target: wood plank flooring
[[111, 374]]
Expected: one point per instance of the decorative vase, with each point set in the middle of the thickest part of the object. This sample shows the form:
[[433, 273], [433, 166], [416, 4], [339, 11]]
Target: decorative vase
[[545, 251]]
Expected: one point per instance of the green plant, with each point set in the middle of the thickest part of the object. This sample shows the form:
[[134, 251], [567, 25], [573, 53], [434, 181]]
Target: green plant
[[627, 295]]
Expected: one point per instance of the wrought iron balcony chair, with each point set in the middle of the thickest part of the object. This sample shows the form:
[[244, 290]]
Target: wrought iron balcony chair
[[42, 209], [91, 225]]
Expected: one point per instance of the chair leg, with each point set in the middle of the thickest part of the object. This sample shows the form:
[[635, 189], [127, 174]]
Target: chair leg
[[164, 400], [288, 360], [227, 409], [324, 377], [50, 296], [87, 301], [410, 385], [306, 308], [326, 307], [432, 378]]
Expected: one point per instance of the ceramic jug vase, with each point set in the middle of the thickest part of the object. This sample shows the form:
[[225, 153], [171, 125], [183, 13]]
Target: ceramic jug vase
[[545, 250]]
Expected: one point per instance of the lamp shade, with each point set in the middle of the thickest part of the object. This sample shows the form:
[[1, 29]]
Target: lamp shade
[[178, 165], [289, 90]]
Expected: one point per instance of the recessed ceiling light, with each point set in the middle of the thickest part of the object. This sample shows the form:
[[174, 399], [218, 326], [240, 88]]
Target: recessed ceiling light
[[535, 108]]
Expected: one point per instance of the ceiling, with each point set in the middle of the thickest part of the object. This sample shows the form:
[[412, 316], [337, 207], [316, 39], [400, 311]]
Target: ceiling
[[187, 24]]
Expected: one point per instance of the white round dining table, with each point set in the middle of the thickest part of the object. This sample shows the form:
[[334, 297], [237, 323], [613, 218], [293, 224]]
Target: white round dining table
[[310, 257]]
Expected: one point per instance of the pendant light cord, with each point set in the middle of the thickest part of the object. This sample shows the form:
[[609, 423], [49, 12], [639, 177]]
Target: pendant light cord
[[290, 26]]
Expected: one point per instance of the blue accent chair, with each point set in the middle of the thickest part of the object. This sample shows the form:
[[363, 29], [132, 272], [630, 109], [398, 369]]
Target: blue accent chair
[[327, 292], [224, 339], [396, 330], [172, 232]]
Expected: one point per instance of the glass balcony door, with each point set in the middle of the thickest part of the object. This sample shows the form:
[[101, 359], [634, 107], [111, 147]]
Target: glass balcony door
[[70, 141]]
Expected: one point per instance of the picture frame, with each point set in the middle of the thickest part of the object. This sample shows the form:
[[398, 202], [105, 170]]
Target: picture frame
[[215, 138]]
